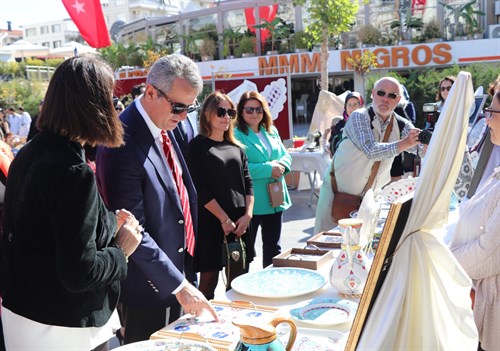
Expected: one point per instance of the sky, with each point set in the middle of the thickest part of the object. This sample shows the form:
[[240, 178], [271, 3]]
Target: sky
[[22, 12]]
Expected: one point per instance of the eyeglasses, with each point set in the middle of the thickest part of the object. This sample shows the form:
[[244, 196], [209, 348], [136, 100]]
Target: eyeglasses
[[446, 88], [221, 112], [251, 110], [392, 96], [178, 108], [118, 109], [489, 112]]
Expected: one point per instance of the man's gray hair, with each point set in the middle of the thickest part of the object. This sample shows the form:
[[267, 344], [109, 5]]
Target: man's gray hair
[[390, 79], [164, 72]]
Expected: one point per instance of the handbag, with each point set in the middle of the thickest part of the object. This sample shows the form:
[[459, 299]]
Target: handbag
[[343, 203], [234, 252], [275, 192]]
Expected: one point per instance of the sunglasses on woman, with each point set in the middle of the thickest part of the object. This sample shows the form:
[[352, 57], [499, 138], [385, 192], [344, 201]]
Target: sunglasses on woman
[[221, 112], [446, 88], [392, 96], [488, 112], [251, 110]]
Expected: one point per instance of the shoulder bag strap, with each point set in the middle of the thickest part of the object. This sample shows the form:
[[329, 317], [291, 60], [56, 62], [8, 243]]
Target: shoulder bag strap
[[375, 167]]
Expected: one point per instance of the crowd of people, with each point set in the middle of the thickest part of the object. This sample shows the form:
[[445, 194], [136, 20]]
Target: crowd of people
[[131, 208]]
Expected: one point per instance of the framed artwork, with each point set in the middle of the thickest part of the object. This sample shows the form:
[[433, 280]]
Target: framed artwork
[[393, 229]]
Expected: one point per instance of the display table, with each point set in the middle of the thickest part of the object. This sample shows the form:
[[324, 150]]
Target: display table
[[313, 164]]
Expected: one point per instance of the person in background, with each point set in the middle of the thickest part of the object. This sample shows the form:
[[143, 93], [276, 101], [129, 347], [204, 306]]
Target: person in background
[[404, 162], [25, 122], [476, 244], [33, 129], [61, 269], [268, 161], [14, 121], [332, 136], [444, 87], [362, 146], [149, 175], [219, 168]]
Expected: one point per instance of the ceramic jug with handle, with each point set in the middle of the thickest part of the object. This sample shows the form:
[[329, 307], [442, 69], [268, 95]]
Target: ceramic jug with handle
[[257, 335]]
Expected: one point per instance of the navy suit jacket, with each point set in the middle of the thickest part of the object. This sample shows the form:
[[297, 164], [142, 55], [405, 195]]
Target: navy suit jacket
[[137, 178]]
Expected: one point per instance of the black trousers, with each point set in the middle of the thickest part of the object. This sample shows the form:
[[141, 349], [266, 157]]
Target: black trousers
[[271, 232], [141, 322]]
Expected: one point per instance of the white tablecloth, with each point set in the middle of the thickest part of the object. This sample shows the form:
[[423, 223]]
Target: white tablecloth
[[313, 164]]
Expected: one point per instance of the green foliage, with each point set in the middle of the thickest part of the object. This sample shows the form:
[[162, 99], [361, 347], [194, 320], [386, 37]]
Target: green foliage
[[230, 37], [431, 30], [301, 40], [337, 16], [369, 34], [465, 13], [21, 92], [11, 69], [277, 28], [246, 46]]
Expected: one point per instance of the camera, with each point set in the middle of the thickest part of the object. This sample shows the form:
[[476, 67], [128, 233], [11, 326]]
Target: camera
[[425, 136], [431, 115]]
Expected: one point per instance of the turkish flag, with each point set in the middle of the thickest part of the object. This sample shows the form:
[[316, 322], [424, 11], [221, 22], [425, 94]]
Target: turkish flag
[[267, 13], [88, 17]]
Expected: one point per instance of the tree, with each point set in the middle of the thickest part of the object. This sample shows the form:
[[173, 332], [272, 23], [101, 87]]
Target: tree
[[362, 64], [328, 18]]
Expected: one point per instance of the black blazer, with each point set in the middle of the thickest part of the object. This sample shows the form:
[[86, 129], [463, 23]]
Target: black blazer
[[58, 263]]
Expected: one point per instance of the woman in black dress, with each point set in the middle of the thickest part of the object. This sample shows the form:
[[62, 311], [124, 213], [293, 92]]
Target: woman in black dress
[[219, 169]]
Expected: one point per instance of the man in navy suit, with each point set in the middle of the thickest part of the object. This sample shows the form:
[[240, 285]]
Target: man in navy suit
[[141, 177]]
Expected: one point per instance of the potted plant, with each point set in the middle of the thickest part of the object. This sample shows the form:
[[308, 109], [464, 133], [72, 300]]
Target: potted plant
[[469, 26], [208, 48], [246, 47], [369, 35], [278, 29], [411, 23], [432, 32], [230, 38], [301, 41]]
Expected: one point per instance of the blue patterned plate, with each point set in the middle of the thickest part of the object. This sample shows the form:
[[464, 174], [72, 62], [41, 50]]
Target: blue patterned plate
[[325, 312], [166, 345], [279, 282]]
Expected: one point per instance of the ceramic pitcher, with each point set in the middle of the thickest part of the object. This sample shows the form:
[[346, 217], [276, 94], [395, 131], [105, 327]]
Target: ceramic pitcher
[[259, 335], [350, 270]]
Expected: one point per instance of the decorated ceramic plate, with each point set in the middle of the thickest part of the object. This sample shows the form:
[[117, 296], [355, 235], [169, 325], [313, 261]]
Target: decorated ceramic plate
[[314, 339], [166, 345], [325, 312], [278, 282], [476, 134], [396, 190]]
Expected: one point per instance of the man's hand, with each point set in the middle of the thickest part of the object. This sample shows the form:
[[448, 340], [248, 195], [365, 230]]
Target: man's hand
[[409, 141], [193, 301]]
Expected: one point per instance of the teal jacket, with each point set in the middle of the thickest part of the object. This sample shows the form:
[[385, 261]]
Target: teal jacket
[[259, 164]]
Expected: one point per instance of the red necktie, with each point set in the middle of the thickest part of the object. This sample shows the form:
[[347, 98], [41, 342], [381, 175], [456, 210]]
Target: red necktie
[[181, 189]]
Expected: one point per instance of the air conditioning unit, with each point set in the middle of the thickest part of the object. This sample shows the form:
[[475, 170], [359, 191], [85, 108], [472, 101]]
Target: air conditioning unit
[[497, 8], [494, 31]]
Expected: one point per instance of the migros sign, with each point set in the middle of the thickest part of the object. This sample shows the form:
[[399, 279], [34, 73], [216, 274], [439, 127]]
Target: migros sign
[[387, 57]]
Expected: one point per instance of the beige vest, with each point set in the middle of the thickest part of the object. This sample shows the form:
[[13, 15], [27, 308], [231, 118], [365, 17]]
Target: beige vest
[[353, 168]]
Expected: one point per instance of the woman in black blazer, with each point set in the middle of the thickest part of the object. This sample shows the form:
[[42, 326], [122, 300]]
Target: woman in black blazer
[[63, 253]]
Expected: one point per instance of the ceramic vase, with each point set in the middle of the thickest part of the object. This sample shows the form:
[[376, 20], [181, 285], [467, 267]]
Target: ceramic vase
[[350, 270]]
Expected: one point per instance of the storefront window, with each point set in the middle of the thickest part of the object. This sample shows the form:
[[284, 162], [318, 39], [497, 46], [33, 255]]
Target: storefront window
[[166, 36]]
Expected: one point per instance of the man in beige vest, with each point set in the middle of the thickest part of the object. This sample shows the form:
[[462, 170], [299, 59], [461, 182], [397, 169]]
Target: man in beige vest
[[362, 146]]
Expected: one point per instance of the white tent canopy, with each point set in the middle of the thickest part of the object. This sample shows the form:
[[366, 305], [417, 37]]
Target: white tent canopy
[[424, 302], [23, 48], [68, 50]]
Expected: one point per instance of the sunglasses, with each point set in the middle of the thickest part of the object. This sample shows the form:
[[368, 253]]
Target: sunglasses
[[251, 110], [221, 112], [446, 88], [488, 113], [392, 96], [118, 109], [178, 108]]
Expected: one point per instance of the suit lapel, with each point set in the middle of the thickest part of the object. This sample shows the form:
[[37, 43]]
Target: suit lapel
[[255, 142]]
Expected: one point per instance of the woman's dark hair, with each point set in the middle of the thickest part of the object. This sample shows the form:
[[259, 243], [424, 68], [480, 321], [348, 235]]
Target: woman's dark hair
[[267, 120], [79, 103], [209, 109], [450, 79]]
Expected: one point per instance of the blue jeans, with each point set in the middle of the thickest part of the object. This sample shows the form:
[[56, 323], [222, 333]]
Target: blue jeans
[[271, 231]]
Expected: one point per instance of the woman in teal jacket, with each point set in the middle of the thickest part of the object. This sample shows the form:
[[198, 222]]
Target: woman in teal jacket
[[268, 161]]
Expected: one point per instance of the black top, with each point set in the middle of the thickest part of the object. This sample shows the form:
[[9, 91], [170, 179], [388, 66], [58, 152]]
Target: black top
[[58, 263], [219, 171]]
